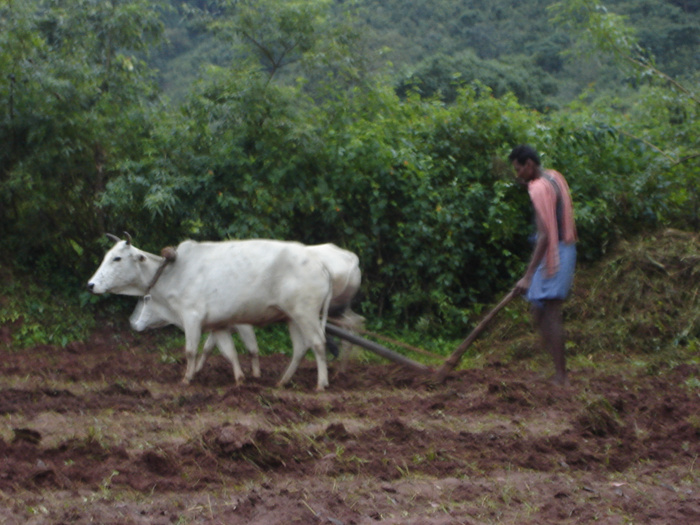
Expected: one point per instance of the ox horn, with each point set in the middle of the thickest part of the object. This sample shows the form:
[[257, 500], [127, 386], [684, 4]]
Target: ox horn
[[128, 237], [112, 237]]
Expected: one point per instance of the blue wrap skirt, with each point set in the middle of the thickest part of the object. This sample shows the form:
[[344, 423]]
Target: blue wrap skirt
[[557, 286]]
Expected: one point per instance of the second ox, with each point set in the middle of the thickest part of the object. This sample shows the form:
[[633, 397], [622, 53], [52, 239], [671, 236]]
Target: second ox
[[346, 277], [212, 286]]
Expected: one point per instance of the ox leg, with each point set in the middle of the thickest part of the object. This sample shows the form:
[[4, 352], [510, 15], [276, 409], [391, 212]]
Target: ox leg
[[300, 345], [319, 350], [228, 349], [206, 350], [193, 333], [318, 345], [247, 334]]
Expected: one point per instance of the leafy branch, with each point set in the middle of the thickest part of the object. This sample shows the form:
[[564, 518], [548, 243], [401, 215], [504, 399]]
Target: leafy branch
[[608, 32]]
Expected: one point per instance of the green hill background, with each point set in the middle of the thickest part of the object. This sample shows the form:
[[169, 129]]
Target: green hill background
[[433, 44]]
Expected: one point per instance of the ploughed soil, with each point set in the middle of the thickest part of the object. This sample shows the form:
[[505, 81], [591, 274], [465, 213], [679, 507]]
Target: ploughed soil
[[104, 432]]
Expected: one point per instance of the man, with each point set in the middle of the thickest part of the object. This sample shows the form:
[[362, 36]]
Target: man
[[549, 275]]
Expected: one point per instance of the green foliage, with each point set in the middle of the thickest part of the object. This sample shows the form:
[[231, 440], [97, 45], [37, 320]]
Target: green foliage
[[297, 139], [623, 33], [77, 95], [513, 40], [275, 34], [443, 76], [36, 315], [657, 121]]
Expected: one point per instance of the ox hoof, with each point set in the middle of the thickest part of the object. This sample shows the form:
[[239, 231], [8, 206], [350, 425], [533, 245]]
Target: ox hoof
[[185, 381]]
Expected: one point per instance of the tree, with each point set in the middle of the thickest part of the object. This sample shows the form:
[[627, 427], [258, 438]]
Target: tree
[[658, 121], [443, 76], [78, 96]]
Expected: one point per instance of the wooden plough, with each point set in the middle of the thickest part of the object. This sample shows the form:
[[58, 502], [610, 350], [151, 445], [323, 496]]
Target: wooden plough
[[376, 348], [449, 364]]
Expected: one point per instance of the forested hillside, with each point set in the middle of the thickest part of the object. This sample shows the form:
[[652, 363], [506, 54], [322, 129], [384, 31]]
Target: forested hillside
[[437, 45], [520, 44], [383, 127]]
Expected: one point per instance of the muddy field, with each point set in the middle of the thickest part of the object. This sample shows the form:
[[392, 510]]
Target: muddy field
[[103, 432]]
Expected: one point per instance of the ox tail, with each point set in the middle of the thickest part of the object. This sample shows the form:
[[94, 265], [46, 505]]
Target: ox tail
[[325, 307], [352, 321]]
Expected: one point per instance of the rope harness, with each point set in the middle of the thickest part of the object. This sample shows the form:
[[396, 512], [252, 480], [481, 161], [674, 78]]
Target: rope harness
[[169, 255]]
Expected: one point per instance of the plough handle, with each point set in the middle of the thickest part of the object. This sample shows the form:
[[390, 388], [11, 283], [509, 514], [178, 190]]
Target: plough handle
[[451, 362]]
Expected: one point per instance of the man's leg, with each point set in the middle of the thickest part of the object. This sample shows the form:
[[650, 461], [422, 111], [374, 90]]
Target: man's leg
[[551, 324]]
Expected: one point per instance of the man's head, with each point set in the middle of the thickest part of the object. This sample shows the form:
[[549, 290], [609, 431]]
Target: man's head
[[525, 161]]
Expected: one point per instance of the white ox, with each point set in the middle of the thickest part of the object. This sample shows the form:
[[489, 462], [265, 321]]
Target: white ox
[[152, 314], [216, 285], [346, 277]]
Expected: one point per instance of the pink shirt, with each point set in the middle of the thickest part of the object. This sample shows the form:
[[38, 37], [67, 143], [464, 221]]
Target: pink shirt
[[544, 200]]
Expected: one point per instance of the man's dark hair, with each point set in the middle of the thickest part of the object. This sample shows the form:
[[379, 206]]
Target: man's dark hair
[[524, 152]]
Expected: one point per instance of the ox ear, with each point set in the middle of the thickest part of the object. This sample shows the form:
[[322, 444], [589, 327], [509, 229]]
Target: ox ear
[[112, 237]]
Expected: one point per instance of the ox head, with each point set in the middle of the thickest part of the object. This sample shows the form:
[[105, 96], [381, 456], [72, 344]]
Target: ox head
[[122, 271], [147, 314]]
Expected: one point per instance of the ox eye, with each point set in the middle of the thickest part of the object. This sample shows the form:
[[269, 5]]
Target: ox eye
[[117, 259]]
